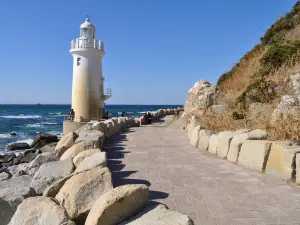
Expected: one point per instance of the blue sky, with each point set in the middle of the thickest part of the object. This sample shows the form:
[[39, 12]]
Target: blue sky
[[155, 50]]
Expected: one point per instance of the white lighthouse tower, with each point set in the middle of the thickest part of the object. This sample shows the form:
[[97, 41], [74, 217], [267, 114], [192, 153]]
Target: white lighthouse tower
[[87, 89]]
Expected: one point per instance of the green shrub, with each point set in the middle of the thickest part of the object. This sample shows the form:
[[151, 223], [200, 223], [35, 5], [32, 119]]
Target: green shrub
[[278, 54], [288, 22]]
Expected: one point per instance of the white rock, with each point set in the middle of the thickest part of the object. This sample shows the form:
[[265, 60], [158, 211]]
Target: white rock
[[40, 211], [95, 160], [158, 215], [82, 155], [50, 172], [257, 135], [118, 205], [79, 193]]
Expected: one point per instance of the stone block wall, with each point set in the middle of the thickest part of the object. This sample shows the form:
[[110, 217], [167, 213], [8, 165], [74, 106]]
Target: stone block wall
[[250, 149]]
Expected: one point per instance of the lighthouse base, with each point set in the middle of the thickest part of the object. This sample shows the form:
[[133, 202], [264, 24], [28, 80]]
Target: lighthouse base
[[71, 126]]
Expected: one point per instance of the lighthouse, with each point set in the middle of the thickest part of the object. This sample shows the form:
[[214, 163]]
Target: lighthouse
[[88, 93]]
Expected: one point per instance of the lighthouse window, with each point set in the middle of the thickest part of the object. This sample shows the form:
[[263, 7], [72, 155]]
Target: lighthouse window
[[78, 61]]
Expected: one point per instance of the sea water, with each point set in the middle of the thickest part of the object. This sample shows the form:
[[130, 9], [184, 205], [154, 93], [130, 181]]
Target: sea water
[[30, 120]]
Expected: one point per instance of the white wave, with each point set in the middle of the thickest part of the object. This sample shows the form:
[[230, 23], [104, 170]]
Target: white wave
[[28, 141], [5, 136], [129, 112], [48, 123], [35, 125], [56, 113], [22, 117], [141, 112]]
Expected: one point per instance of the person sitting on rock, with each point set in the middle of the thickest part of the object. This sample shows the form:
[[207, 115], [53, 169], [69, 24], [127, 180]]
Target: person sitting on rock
[[146, 118]]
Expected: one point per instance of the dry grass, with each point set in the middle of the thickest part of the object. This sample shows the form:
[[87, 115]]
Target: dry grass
[[287, 129]]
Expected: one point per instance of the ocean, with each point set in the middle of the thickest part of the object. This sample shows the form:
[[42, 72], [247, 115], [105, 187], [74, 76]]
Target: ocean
[[30, 120]]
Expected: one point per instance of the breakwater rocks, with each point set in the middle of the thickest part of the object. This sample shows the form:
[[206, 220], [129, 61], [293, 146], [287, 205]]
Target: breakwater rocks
[[249, 148], [71, 185]]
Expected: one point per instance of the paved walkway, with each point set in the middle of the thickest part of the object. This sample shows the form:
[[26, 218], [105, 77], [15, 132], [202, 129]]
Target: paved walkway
[[210, 190]]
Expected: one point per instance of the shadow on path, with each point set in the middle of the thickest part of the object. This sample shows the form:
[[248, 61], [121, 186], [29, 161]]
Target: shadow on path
[[115, 148]]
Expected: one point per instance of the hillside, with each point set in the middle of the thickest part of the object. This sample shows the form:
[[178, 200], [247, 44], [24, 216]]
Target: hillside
[[266, 66], [263, 89]]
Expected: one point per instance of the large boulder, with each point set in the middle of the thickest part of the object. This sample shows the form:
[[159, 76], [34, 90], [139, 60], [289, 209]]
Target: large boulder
[[82, 155], [77, 148], [49, 147], [43, 139], [200, 97], [158, 214], [95, 136], [118, 205], [92, 125], [95, 160], [224, 139], [43, 158], [4, 175], [65, 142], [54, 188], [40, 211], [110, 128], [50, 172], [79, 193], [295, 82], [257, 134], [12, 193]]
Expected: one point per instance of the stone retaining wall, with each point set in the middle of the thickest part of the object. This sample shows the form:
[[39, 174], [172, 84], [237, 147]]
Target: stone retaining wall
[[72, 185], [249, 149]]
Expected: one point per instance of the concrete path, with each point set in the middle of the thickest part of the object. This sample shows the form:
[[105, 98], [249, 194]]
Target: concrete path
[[210, 190]]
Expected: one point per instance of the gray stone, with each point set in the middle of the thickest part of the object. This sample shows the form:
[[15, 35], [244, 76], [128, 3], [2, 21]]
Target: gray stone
[[224, 139], [257, 135], [49, 147], [43, 158], [12, 193], [97, 137], [65, 142], [77, 148], [159, 215], [40, 211], [82, 155], [194, 139], [235, 146], [22, 169], [118, 204], [281, 160], [4, 176], [95, 160], [254, 154], [50, 172], [204, 138], [286, 108], [219, 109], [54, 188], [213, 143], [79, 193]]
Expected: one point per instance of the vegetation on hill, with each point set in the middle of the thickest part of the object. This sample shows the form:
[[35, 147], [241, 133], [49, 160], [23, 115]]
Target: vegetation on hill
[[262, 77]]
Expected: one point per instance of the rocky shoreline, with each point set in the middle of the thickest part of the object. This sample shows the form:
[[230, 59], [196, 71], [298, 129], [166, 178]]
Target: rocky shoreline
[[68, 183]]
